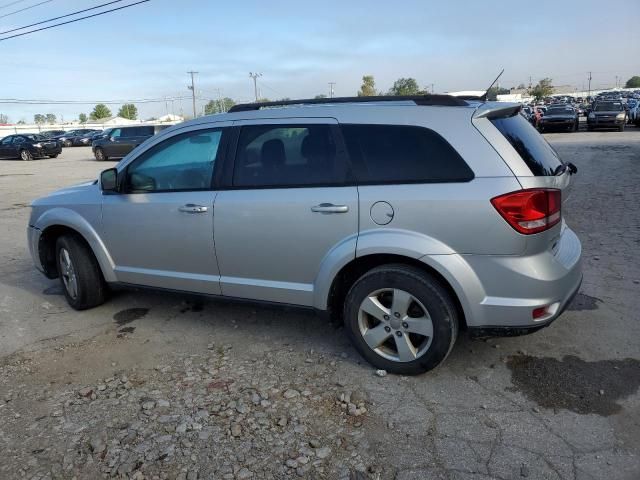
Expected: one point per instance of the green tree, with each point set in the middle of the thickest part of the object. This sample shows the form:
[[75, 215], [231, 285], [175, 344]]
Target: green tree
[[100, 111], [39, 119], [21, 122], [128, 110], [322, 95], [82, 118], [3, 118], [50, 118], [405, 86], [633, 82], [544, 88], [218, 106], [368, 87]]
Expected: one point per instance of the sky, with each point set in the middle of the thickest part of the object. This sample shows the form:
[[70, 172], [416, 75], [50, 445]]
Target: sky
[[145, 52]]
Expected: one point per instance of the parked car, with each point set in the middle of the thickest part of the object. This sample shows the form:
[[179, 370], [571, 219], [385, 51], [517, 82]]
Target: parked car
[[85, 139], [29, 146], [632, 110], [405, 226], [67, 137], [559, 117], [606, 114], [122, 140], [52, 133]]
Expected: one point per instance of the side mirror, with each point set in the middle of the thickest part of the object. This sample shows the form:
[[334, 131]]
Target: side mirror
[[109, 180], [113, 139]]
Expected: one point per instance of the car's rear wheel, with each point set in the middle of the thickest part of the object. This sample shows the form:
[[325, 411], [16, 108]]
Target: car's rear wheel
[[25, 155], [55, 155], [99, 154], [80, 275], [401, 319], [67, 143]]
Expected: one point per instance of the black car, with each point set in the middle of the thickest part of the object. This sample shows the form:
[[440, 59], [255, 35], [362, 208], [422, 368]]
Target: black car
[[559, 117], [120, 141], [85, 139], [52, 133], [29, 146], [605, 114], [67, 138]]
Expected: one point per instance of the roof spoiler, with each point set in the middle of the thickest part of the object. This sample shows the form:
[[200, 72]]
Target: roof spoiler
[[497, 110]]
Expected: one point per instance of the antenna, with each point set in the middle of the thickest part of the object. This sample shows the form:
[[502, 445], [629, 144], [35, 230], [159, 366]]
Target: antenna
[[484, 97]]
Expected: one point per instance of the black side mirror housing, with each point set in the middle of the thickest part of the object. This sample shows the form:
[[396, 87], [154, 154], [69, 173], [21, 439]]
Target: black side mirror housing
[[109, 180]]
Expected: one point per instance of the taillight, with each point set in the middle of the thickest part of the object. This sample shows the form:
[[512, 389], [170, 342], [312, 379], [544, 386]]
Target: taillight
[[530, 211]]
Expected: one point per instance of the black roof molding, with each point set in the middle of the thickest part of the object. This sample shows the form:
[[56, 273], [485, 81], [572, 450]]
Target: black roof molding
[[439, 100]]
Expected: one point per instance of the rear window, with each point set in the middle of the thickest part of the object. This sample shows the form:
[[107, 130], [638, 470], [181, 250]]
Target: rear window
[[403, 154], [536, 152], [608, 107]]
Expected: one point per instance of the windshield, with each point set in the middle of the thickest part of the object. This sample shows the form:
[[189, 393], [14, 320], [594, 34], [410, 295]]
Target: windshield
[[532, 147], [608, 107], [559, 111]]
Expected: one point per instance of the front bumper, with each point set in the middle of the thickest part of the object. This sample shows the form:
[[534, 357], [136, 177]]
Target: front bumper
[[605, 123], [501, 291]]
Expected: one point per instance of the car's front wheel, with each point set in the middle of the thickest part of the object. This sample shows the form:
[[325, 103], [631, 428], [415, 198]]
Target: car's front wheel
[[25, 155], [55, 155], [67, 143], [80, 275], [401, 319], [99, 154]]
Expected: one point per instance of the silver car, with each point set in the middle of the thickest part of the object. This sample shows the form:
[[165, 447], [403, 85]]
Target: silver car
[[408, 219]]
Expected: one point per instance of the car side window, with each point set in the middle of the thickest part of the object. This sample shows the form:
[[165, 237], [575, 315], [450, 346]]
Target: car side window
[[183, 162], [288, 156], [7, 140], [403, 154], [18, 140], [115, 133]]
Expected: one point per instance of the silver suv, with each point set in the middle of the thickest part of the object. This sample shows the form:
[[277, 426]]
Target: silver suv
[[407, 218]]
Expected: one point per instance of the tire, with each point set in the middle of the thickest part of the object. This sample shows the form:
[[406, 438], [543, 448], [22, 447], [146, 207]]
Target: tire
[[589, 128], [429, 304], [99, 154], [54, 155], [83, 284], [25, 155], [66, 143], [621, 128]]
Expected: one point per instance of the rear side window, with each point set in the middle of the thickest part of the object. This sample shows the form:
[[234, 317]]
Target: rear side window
[[532, 147], [402, 154], [287, 156]]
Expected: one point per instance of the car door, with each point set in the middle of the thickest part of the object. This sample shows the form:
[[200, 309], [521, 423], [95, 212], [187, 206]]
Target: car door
[[5, 147], [159, 228], [289, 201]]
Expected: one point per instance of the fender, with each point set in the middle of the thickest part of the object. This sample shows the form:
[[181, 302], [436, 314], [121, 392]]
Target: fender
[[71, 219], [336, 258]]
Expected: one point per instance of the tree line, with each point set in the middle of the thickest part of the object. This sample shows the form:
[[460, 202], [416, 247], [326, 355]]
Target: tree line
[[99, 112]]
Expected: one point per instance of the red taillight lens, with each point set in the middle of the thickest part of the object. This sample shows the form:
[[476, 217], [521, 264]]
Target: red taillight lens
[[530, 211]]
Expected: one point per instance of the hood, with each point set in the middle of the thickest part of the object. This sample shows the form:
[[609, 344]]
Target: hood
[[65, 192]]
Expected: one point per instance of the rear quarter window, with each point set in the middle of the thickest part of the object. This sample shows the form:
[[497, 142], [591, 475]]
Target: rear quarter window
[[534, 150], [403, 154]]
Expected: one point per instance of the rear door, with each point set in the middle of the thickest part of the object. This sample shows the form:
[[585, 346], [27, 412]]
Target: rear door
[[5, 147], [289, 202]]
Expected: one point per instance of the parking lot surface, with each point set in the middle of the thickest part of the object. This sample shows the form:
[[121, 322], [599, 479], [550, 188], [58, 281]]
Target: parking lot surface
[[157, 385]]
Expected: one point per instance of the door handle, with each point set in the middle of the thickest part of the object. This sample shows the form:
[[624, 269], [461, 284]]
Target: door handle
[[330, 208], [193, 208]]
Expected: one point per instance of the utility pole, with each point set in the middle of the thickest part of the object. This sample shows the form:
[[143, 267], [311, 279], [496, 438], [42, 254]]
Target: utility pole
[[331, 84], [192, 87], [589, 95], [432, 89], [255, 76]]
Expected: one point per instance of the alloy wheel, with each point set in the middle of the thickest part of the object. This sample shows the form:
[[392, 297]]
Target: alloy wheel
[[68, 273], [395, 325]]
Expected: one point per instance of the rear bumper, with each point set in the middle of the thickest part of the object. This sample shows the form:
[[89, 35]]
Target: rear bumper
[[501, 292]]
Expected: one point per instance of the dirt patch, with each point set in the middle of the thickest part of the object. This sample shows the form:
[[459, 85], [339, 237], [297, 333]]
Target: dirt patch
[[584, 302], [573, 384], [124, 331], [129, 315]]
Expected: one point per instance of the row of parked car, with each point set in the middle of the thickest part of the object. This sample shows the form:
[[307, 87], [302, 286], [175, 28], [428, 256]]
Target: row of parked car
[[114, 142], [603, 113]]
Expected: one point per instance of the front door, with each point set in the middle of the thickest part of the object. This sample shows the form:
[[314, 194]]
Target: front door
[[290, 203], [159, 230], [6, 149]]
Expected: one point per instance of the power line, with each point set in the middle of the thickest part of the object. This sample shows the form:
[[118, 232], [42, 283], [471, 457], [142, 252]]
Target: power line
[[74, 20], [62, 16], [25, 8], [11, 3]]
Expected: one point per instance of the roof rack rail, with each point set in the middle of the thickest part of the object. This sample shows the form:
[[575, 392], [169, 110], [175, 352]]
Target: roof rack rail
[[441, 100]]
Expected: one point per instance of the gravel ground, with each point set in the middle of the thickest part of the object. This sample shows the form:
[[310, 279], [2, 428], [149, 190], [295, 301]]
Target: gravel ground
[[155, 385]]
